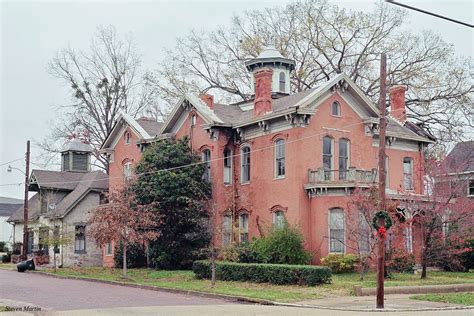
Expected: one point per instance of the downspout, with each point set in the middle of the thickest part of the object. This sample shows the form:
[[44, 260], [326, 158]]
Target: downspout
[[309, 224]]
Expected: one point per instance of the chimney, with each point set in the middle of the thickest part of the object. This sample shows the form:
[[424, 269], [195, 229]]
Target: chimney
[[208, 99], [263, 91], [397, 103]]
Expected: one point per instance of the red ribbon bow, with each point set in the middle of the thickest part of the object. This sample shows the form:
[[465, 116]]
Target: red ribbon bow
[[382, 232]]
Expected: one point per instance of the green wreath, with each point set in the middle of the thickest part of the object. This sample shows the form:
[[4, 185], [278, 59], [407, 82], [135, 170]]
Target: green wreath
[[385, 216]]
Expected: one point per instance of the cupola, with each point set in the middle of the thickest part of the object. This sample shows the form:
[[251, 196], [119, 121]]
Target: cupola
[[272, 59], [76, 156]]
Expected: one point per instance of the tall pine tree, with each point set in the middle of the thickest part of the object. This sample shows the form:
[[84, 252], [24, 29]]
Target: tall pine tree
[[171, 180]]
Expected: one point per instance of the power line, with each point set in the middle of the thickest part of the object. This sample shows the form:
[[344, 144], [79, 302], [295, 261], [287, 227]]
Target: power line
[[430, 13], [198, 163], [15, 160]]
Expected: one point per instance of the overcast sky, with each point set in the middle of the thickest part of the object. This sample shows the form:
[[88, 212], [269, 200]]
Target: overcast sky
[[31, 33]]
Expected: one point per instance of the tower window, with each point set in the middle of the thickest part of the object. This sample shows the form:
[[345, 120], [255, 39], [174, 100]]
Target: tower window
[[327, 157], [245, 164], [227, 166], [282, 82]]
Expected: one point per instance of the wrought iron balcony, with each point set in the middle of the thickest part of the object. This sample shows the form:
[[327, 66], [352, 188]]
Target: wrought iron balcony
[[352, 177]]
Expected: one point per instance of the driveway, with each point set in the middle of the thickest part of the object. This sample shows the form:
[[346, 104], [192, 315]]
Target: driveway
[[63, 294]]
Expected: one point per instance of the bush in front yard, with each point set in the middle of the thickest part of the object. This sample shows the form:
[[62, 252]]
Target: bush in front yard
[[340, 263], [264, 273], [401, 261], [281, 246]]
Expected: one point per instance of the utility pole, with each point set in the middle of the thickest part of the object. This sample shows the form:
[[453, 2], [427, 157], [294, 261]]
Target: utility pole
[[25, 205], [382, 132]]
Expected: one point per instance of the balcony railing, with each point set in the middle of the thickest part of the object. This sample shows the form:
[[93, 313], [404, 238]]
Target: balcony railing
[[349, 176]]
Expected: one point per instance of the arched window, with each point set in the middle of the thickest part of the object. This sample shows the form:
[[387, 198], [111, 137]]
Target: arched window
[[365, 233], [282, 82], [127, 171], [243, 228], [336, 230], [408, 173], [227, 230], [336, 109], [227, 166], [278, 219], [280, 158], [127, 137], [206, 158], [343, 158], [245, 164], [327, 157], [193, 120]]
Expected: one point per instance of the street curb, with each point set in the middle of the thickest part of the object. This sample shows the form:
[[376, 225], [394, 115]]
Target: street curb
[[248, 299], [419, 289]]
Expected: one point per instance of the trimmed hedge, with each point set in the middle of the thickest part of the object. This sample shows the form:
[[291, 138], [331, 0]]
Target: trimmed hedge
[[264, 273]]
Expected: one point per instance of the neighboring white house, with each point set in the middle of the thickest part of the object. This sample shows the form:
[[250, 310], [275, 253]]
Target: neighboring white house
[[61, 207], [7, 207]]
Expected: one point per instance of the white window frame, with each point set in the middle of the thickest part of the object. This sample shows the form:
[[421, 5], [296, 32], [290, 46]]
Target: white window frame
[[227, 169], [408, 234], [343, 174], [227, 231], [127, 171], [276, 159], [405, 175], [243, 228], [282, 82], [206, 158], [108, 249], [336, 105], [328, 173], [249, 165], [365, 232], [278, 219], [333, 211], [470, 186]]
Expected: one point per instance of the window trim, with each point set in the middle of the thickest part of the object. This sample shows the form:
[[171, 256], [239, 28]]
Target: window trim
[[338, 107], [83, 251], [470, 185], [127, 178], [275, 224], [343, 229], [127, 136], [107, 253], [227, 230], [230, 168], [348, 157], [412, 182], [275, 159], [240, 227], [207, 175], [245, 147], [331, 155], [280, 82]]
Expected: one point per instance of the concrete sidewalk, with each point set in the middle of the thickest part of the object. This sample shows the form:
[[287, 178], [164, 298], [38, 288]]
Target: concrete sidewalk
[[229, 310], [393, 302]]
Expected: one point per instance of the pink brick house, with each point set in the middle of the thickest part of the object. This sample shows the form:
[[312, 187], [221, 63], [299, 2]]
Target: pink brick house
[[293, 156]]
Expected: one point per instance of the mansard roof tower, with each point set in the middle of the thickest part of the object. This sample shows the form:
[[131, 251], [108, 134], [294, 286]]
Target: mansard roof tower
[[272, 59], [76, 156]]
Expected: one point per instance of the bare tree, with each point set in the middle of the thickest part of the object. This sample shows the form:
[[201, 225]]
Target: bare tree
[[325, 40], [102, 82]]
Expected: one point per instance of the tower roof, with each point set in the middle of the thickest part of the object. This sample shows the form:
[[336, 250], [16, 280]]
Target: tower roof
[[78, 146], [269, 56]]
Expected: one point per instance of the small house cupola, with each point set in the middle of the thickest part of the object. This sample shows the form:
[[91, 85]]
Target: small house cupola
[[76, 156], [271, 58]]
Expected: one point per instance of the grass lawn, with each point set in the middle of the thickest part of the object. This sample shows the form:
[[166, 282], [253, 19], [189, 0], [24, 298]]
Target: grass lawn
[[464, 298], [7, 266], [342, 283]]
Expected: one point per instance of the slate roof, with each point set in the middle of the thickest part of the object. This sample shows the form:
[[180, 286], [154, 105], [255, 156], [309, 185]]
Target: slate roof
[[151, 126], [75, 185], [9, 205], [461, 158]]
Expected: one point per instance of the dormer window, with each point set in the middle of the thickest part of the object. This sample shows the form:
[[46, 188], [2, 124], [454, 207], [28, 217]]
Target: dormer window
[[127, 137], [336, 109]]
